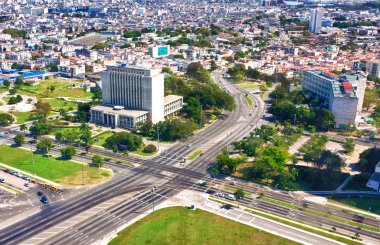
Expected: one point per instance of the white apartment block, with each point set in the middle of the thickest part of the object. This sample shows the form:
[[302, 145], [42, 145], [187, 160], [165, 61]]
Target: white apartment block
[[133, 94], [71, 70], [342, 95]]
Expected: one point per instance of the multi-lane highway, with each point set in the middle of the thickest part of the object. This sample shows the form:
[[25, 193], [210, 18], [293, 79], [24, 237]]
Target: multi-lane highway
[[236, 124], [162, 171]]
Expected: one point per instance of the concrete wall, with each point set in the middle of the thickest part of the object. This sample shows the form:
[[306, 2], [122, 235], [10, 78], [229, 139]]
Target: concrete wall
[[344, 110]]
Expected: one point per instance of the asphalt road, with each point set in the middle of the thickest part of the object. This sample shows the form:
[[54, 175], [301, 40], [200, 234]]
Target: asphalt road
[[149, 172], [158, 171]]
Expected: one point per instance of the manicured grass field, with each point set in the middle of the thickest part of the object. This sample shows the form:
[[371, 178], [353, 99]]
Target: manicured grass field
[[365, 203], [57, 104], [23, 117], [60, 171], [248, 85], [63, 88], [63, 129], [179, 225]]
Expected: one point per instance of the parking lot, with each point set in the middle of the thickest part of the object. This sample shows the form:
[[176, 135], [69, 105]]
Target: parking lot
[[16, 182]]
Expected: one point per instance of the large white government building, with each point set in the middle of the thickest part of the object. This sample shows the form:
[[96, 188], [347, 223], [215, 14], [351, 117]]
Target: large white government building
[[343, 94], [133, 94]]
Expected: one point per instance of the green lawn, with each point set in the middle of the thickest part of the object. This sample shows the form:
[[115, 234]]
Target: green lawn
[[248, 85], [63, 129], [3, 89], [57, 104], [63, 88], [100, 139], [23, 117], [364, 203], [60, 171], [179, 225], [194, 154], [249, 100]]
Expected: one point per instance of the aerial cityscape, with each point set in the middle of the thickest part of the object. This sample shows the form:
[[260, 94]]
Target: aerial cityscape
[[189, 122]]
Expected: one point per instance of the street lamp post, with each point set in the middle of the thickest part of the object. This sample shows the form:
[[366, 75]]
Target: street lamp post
[[153, 192], [31, 148], [158, 138]]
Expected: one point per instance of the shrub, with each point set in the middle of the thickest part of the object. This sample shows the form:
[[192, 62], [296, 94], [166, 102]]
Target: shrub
[[150, 149]]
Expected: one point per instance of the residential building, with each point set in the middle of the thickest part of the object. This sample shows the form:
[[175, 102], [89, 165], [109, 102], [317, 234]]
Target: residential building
[[159, 51], [315, 21], [342, 95], [373, 68], [72, 70], [133, 94]]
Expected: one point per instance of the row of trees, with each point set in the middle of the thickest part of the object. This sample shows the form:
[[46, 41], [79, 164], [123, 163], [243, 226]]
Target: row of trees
[[168, 130], [298, 108]]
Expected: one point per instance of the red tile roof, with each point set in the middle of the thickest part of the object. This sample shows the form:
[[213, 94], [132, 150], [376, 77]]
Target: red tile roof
[[347, 86], [330, 73]]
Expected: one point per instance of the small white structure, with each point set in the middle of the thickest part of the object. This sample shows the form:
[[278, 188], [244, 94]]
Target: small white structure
[[374, 181]]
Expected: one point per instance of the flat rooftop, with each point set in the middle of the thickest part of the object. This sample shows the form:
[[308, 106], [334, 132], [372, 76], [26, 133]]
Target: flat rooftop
[[124, 112], [171, 98]]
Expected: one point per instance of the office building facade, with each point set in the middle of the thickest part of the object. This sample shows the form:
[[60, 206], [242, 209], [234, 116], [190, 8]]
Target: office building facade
[[342, 95], [133, 94], [315, 23]]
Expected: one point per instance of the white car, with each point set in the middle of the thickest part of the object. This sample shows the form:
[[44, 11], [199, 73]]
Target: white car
[[230, 197], [219, 194]]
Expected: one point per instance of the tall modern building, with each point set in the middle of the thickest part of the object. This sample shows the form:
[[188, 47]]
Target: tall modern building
[[315, 21], [342, 95], [133, 94]]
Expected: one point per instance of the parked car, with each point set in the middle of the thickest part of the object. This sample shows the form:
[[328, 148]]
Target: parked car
[[44, 200], [2, 180], [211, 192], [40, 193], [230, 197], [219, 194]]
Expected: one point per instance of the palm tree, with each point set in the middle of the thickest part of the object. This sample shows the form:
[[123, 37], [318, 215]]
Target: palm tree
[[214, 171], [23, 127], [239, 194]]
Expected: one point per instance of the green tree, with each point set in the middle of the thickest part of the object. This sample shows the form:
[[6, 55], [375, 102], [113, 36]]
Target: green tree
[[97, 161], [99, 46], [44, 146], [239, 194], [19, 139], [42, 108], [213, 65], [59, 136], [349, 145], [6, 83], [23, 127], [68, 152], [19, 80], [124, 140], [6, 119], [71, 136], [40, 127]]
